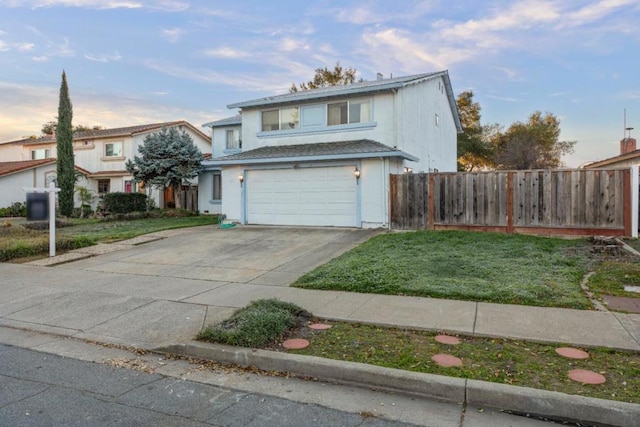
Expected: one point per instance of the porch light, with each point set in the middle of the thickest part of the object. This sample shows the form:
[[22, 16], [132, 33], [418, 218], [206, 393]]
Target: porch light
[[241, 179], [356, 173]]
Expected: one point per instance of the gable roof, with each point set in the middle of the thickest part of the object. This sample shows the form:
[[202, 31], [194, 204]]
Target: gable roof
[[229, 121], [357, 88], [632, 155], [112, 133], [7, 168], [358, 149]]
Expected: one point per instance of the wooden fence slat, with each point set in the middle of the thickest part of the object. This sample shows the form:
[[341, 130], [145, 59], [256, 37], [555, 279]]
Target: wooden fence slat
[[549, 201]]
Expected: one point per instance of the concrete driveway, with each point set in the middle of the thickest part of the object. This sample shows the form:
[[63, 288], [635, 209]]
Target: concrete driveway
[[274, 256]]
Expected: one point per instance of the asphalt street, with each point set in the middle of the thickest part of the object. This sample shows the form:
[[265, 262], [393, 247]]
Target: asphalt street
[[75, 383], [39, 389]]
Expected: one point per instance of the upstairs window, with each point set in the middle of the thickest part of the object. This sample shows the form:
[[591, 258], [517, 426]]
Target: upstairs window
[[232, 143], [281, 119], [113, 149], [313, 115], [342, 113], [40, 153]]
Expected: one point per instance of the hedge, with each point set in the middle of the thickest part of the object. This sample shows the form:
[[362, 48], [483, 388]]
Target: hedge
[[122, 203]]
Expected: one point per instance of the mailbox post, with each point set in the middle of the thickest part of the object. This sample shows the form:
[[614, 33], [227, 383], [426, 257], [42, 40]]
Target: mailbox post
[[51, 190]]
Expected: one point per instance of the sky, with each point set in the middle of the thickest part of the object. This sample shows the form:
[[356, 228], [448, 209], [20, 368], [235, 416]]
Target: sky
[[132, 62]]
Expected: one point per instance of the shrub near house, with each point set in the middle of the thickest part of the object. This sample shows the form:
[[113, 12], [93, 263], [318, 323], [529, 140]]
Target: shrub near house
[[122, 203]]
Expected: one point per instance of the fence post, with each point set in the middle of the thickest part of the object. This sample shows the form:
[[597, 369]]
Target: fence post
[[431, 203], [635, 189], [509, 201]]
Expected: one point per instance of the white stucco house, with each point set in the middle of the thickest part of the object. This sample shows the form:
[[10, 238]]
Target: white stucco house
[[323, 157], [101, 154]]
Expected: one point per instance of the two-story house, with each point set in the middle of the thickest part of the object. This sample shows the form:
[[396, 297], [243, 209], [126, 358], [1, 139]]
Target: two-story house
[[101, 154], [323, 157]]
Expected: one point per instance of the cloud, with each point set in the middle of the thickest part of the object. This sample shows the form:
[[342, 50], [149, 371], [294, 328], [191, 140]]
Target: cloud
[[172, 34], [503, 98], [40, 58], [24, 108], [163, 5], [226, 52], [594, 12], [114, 57]]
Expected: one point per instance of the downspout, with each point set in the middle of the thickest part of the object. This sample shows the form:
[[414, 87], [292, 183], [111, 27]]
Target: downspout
[[385, 191]]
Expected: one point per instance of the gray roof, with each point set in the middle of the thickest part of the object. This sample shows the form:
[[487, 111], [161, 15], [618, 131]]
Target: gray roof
[[359, 149], [235, 120], [358, 88], [331, 91]]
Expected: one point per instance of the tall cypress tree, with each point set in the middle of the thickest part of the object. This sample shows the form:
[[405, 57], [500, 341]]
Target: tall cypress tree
[[65, 158]]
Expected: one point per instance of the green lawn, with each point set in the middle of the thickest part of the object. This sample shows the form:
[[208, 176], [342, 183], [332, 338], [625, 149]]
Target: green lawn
[[491, 267], [18, 243], [109, 231]]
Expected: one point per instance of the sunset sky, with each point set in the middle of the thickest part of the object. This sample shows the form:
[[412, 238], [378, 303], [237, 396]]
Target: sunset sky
[[132, 62]]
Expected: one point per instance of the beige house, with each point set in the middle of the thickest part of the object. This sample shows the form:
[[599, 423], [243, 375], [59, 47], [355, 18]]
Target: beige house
[[101, 154], [629, 156]]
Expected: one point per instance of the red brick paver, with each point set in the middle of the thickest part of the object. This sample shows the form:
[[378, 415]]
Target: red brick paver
[[586, 377], [446, 360], [572, 353], [295, 344]]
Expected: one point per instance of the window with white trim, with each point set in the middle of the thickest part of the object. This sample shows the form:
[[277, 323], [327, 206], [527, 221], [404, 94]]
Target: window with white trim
[[280, 119], [40, 153], [217, 186], [354, 111], [113, 149]]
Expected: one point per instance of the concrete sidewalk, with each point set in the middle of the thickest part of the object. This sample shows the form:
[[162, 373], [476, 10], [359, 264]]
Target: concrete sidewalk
[[155, 295]]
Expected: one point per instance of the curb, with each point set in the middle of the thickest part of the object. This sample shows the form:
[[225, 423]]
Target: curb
[[523, 400]]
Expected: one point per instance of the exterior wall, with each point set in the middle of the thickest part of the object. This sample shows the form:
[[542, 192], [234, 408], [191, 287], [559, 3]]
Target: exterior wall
[[418, 134], [11, 153], [232, 193], [381, 128], [219, 140], [12, 185], [205, 192]]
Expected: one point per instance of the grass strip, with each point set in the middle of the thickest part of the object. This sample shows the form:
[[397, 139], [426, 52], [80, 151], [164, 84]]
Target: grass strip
[[257, 324], [503, 361]]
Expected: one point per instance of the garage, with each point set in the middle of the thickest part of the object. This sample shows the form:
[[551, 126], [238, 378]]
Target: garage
[[320, 196]]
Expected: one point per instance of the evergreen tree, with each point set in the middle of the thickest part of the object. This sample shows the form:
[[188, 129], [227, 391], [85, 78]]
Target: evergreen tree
[[167, 159], [64, 146], [325, 77]]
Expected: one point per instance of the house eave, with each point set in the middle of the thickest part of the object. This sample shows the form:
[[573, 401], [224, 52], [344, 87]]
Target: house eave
[[216, 164]]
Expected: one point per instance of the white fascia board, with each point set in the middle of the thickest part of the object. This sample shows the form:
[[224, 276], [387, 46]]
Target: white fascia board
[[211, 164]]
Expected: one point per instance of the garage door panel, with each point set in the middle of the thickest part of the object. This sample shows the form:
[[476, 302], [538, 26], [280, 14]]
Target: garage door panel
[[306, 196]]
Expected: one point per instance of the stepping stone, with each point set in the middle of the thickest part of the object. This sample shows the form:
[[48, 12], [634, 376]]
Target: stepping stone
[[572, 353], [586, 377], [295, 344], [446, 360], [319, 326], [447, 339]]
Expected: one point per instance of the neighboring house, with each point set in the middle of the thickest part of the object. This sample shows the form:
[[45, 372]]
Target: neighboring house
[[323, 157], [15, 176], [103, 154], [629, 156]]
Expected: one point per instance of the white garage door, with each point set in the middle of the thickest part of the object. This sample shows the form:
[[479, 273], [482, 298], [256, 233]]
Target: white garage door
[[304, 196]]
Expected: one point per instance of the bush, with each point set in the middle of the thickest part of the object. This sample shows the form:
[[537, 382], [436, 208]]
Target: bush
[[255, 325], [123, 203], [16, 209]]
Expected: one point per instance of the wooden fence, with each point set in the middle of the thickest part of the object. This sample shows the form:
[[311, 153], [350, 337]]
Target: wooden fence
[[563, 202], [187, 195]]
